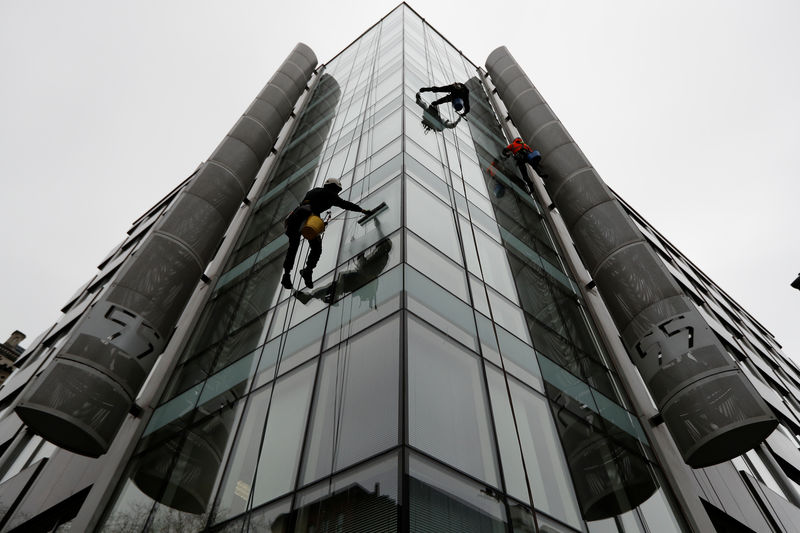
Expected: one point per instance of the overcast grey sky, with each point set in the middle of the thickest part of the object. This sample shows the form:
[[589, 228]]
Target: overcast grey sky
[[689, 110]]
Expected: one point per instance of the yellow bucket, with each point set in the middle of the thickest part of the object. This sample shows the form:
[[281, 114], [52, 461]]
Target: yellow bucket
[[313, 227]]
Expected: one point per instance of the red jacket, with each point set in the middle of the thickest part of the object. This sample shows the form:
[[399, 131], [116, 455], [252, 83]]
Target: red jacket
[[515, 147]]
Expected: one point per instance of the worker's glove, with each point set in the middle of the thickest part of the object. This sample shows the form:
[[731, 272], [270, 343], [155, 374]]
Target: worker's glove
[[425, 90], [366, 212]]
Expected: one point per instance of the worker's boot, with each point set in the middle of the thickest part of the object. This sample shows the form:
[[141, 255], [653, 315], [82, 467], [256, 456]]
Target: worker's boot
[[306, 274], [286, 280]]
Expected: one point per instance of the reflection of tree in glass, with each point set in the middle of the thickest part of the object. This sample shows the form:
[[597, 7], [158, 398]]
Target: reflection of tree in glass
[[165, 520], [352, 508], [610, 478], [368, 266]]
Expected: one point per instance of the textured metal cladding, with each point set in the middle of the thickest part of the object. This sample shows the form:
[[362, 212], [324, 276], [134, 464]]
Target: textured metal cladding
[[81, 409], [668, 339], [276, 96], [565, 158], [267, 115], [193, 219], [578, 193], [540, 113], [115, 344], [217, 186], [630, 281], [603, 231], [236, 155], [253, 133]]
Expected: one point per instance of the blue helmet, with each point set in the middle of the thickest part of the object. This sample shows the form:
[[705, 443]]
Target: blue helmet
[[458, 104]]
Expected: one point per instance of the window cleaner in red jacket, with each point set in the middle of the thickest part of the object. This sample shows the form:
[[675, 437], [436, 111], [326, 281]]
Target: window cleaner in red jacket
[[523, 154], [457, 93]]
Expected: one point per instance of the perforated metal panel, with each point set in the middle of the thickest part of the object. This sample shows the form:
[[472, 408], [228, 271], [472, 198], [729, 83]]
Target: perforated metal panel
[[82, 398], [710, 408]]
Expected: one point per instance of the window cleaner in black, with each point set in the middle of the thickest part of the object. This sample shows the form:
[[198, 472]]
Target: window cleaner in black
[[305, 221], [458, 94], [432, 120]]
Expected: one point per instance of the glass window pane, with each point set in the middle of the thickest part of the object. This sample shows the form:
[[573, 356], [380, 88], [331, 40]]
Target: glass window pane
[[356, 406], [509, 316], [273, 518], [363, 307], [609, 525], [658, 514], [356, 237], [381, 175], [25, 452], [427, 177], [130, 512], [520, 359], [470, 250], [432, 220], [237, 482], [436, 266], [386, 130], [489, 347], [384, 154], [496, 270], [479, 298], [295, 347], [361, 500], [522, 520], [230, 383], [283, 436], [551, 526], [425, 158], [548, 476], [440, 308], [474, 175], [443, 502], [180, 474], [447, 409], [173, 409], [510, 454]]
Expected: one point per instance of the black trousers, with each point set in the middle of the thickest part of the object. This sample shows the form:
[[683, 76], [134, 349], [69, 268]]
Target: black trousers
[[521, 161], [294, 223], [448, 98]]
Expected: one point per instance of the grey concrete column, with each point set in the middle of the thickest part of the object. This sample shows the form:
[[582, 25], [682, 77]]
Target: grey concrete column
[[82, 397], [710, 408]]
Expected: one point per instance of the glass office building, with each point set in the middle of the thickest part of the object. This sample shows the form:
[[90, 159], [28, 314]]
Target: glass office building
[[450, 370]]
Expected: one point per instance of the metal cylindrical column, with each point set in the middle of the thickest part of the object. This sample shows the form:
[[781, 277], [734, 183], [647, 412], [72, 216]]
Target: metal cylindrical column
[[709, 406], [82, 397]]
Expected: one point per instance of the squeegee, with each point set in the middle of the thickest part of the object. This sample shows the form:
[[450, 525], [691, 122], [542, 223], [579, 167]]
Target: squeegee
[[380, 209]]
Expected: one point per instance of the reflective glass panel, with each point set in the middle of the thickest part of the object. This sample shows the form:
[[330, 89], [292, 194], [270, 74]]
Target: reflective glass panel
[[436, 266], [510, 453], [432, 220], [440, 308], [363, 499], [234, 492], [283, 436], [441, 501], [548, 477], [355, 407], [447, 411]]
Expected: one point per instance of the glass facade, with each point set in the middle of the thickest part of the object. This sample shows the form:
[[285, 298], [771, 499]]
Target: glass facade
[[442, 374]]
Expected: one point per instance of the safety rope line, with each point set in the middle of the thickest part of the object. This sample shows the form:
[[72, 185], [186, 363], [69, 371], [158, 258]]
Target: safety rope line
[[494, 325]]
